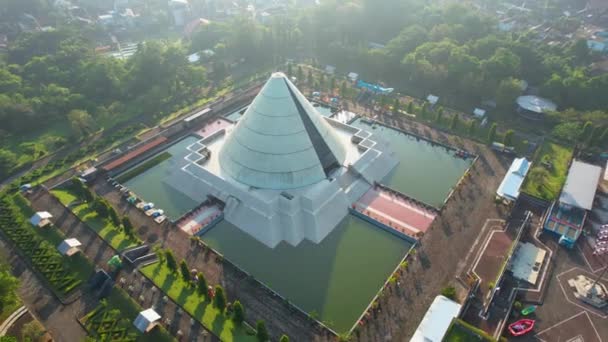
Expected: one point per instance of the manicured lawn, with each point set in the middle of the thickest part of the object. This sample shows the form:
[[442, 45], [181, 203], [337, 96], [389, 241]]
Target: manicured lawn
[[198, 306], [460, 331], [546, 182], [116, 237], [115, 316]]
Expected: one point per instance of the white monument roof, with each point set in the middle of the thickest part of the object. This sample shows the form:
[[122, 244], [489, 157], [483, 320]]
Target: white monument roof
[[68, 244], [281, 142]]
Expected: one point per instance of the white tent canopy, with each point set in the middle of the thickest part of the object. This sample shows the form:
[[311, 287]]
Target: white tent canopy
[[69, 246], [432, 99], [437, 320], [146, 320], [353, 76], [41, 219]]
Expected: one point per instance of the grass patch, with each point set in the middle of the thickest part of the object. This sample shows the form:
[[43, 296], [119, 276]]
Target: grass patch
[[460, 331], [143, 167], [543, 181], [196, 305], [39, 245], [115, 236], [113, 320]]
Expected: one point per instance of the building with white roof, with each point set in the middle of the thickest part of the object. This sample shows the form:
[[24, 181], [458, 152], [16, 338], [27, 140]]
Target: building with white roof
[[534, 107], [41, 219], [568, 214], [510, 185], [437, 320], [69, 247], [432, 99], [146, 320], [283, 171]]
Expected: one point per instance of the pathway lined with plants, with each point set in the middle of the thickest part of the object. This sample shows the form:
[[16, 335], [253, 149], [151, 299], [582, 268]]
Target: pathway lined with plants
[[99, 250], [39, 247]]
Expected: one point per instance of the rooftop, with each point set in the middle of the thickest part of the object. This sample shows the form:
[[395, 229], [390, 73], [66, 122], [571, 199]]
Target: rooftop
[[437, 320], [509, 188], [581, 185]]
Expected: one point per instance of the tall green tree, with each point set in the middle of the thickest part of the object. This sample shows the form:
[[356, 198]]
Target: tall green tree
[[170, 259], [239, 312], [183, 267], [201, 285], [454, 122], [508, 138], [492, 133], [8, 160], [127, 226], [113, 217], [261, 332], [472, 127], [219, 301], [284, 338]]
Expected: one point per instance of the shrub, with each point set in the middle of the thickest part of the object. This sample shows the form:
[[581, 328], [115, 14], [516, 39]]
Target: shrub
[[492, 133], [508, 139], [239, 312], [127, 226], [113, 217], [517, 305], [219, 301], [491, 285], [284, 338], [171, 263], [183, 267], [449, 292], [201, 285], [262, 332]]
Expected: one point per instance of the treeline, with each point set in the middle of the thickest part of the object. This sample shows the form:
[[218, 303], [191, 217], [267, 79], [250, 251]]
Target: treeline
[[454, 51], [54, 78]]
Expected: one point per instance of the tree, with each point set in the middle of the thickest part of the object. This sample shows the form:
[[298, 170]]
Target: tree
[[262, 332], [284, 338], [300, 74], [332, 84], [8, 160], [114, 217], [508, 138], [239, 312], [8, 287], [127, 225], [603, 139], [449, 292], [439, 115], [492, 133], [171, 263], [586, 132], [472, 127], [396, 106], [343, 90], [454, 122], [201, 285], [7, 338], [81, 122], [507, 91], [183, 267], [32, 331], [219, 301], [410, 107], [101, 207], [289, 70], [310, 80]]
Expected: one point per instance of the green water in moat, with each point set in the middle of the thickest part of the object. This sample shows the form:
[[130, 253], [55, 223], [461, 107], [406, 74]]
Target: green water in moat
[[425, 172], [151, 187], [335, 280]]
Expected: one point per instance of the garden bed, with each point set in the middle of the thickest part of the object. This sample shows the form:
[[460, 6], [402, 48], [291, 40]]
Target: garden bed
[[112, 320], [115, 236], [199, 306], [549, 171], [460, 331], [39, 246]]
